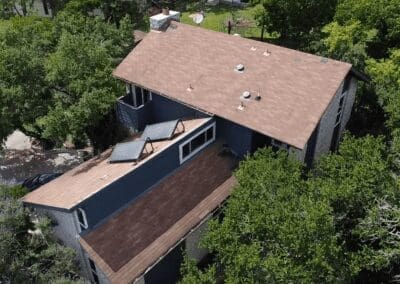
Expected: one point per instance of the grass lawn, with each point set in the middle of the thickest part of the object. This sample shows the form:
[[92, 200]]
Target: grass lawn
[[216, 18]]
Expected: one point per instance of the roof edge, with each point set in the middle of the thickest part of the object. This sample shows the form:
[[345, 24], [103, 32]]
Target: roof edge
[[360, 75]]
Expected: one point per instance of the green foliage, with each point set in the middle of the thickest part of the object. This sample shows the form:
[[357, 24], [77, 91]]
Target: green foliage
[[28, 251], [273, 231], [79, 71], [8, 8], [359, 186], [379, 234], [13, 192], [382, 15], [24, 42], [295, 20], [337, 224], [354, 178], [386, 77], [55, 75], [216, 17], [347, 43], [193, 275], [114, 11]]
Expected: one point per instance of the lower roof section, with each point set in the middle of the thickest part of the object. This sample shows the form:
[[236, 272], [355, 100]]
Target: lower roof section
[[133, 240]]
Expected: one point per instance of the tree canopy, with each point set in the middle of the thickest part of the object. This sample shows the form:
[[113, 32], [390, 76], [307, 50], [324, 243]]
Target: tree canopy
[[386, 78], [56, 74], [336, 224], [295, 20], [29, 253]]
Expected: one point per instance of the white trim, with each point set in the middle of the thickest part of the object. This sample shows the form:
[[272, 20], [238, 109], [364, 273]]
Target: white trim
[[192, 153], [134, 95], [85, 225]]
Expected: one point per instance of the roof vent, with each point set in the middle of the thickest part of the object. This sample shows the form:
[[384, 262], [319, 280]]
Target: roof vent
[[239, 68], [246, 95], [253, 48], [267, 53], [324, 60], [258, 97]]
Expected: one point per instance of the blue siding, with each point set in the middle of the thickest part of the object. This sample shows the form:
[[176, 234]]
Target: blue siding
[[158, 110], [164, 109], [238, 138], [129, 187], [133, 118]]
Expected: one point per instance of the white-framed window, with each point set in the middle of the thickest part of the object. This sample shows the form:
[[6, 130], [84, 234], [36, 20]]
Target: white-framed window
[[196, 143], [140, 96], [82, 221], [279, 144], [93, 270]]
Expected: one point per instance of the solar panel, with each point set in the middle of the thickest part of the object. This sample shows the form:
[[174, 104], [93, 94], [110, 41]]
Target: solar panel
[[128, 151], [160, 131]]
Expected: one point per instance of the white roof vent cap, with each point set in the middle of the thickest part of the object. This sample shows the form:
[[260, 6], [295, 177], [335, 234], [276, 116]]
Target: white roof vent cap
[[240, 67], [246, 95]]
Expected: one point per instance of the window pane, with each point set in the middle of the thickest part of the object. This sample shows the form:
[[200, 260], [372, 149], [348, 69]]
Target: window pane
[[95, 278], [346, 84], [337, 118], [210, 134], [185, 150], [80, 217], [198, 141], [138, 96], [92, 265], [341, 101], [146, 96]]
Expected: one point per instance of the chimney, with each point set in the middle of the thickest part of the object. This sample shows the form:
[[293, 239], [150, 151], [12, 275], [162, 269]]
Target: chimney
[[161, 21]]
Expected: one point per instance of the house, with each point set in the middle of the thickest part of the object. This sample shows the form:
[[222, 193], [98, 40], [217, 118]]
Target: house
[[197, 101]]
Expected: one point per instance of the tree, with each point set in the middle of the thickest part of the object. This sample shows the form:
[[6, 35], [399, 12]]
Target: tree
[[295, 20], [29, 252], [359, 186], [8, 8], [273, 231], [192, 275], [386, 77], [24, 94], [338, 223], [55, 75], [347, 43], [382, 15], [79, 71], [113, 10]]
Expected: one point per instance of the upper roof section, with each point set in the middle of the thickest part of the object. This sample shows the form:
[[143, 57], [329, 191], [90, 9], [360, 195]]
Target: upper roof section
[[82, 182], [198, 67]]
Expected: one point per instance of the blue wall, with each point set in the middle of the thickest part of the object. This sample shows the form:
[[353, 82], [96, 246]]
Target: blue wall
[[158, 110], [133, 118], [164, 109], [236, 136], [129, 187]]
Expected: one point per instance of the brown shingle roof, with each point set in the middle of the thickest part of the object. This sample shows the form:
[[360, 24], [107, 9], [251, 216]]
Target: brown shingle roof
[[136, 237], [90, 177], [295, 87]]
